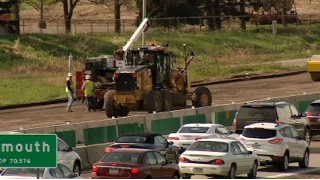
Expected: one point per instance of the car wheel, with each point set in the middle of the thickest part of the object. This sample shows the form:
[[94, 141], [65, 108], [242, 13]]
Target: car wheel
[[284, 164], [253, 172], [232, 172], [304, 163], [176, 176], [77, 168], [185, 176], [308, 135]]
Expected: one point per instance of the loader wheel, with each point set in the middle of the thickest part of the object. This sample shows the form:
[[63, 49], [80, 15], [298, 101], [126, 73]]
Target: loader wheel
[[201, 97], [109, 104], [167, 100], [154, 102], [123, 111], [315, 76]]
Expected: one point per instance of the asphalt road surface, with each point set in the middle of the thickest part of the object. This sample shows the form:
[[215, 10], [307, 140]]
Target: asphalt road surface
[[270, 172], [50, 115]]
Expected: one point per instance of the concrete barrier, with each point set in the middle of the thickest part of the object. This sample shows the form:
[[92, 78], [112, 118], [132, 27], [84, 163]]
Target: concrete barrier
[[215, 110], [182, 113], [130, 124], [151, 117], [79, 127], [41, 130], [82, 151], [207, 111]]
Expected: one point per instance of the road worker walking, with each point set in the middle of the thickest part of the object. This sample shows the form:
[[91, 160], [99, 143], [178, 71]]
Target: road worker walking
[[88, 88], [70, 91]]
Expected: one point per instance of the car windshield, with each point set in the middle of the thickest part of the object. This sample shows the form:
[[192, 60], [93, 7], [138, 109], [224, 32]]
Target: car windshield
[[261, 113], [259, 133], [122, 157], [29, 172], [193, 130], [314, 107], [131, 139], [211, 146]]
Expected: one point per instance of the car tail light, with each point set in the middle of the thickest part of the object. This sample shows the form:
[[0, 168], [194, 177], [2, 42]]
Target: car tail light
[[109, 149], [184, 160], [95, 169], [135, 171], [276, 141], [235, 124], [312, 114], [198, 139], [173, 138], [278, 121], [218, 162]]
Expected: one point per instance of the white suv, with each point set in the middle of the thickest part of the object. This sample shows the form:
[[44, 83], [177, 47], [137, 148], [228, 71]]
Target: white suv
[[276, 144]]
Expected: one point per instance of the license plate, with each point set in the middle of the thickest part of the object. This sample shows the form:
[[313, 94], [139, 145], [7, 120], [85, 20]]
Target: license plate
[[197, 170], [255, 146], [113, 171], [185, 145]]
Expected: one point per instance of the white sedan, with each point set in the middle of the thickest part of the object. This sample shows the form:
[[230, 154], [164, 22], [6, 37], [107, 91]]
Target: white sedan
[[190, 133], [218, 157], [60, 172]]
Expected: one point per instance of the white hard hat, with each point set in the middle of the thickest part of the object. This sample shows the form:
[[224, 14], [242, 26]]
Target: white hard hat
[[88, 76], [69, 74]]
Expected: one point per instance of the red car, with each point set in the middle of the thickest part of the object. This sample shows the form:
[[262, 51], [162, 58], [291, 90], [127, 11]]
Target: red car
[[132, 163]]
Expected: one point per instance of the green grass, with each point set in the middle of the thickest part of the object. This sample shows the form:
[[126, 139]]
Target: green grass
[[38, 71]]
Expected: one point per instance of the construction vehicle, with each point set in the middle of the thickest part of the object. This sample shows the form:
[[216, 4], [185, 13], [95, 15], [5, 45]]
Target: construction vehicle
[[9, 17], [313, 67], [150, 82], [102, 68]]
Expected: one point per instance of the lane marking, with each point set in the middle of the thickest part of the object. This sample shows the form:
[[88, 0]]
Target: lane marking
[[292, 174]]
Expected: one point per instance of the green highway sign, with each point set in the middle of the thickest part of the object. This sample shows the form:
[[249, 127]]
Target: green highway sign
[[28, 150]]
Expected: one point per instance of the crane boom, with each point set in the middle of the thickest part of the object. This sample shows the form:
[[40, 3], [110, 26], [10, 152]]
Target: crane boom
[[135, 36]]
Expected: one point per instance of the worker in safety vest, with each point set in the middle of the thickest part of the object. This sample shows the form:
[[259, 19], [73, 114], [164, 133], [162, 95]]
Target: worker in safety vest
[[88, 88], [70, 92]]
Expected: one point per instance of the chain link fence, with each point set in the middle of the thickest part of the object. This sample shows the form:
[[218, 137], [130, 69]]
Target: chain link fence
[[57, 26]]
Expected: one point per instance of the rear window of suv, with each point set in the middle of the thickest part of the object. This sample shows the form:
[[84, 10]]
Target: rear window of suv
[[259, 133], [261, 113], [314, 107]]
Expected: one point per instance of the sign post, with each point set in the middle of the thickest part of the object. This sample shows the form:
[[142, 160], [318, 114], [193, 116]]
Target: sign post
[[28, 151]]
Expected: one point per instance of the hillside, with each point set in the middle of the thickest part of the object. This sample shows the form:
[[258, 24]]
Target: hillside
[[91, 11]]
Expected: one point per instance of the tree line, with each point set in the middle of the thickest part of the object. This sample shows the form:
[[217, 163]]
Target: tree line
[[218, 9]]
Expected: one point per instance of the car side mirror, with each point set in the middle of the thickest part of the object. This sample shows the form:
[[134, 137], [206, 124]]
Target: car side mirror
[[249, 152]]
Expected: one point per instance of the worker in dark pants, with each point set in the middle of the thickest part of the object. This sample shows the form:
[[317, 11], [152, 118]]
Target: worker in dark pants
[[88, 88]]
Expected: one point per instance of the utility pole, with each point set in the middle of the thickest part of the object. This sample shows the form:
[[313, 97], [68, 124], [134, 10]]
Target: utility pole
[[144, 9]]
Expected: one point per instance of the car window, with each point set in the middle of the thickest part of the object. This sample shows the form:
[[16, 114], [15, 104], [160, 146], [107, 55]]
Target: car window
[[313, 107], [193, 129], [222, 130], [259, 133], [66, 171], [211, 146], [294, 111], [131, 139], [258, 113], [160, 158], [286, 132], [30, 172], [295, 133], [160, 140], [242, 148], [122, 157], [151, 159], [62, 145], [57, 172], [235, 149]]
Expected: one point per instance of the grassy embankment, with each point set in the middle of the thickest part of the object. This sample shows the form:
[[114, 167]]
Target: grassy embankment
[[37, 72]]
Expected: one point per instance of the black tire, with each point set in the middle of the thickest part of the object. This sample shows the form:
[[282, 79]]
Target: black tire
[[232, 172], [109, 104], [77, 167], [304, 163], [167, 100], [176, 175], [315, 76], [284, 163], [123, 111], [148, 177], [253, 173], [185, 176], [308, 135], [154, 102], [201, 97], [100, 103]]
